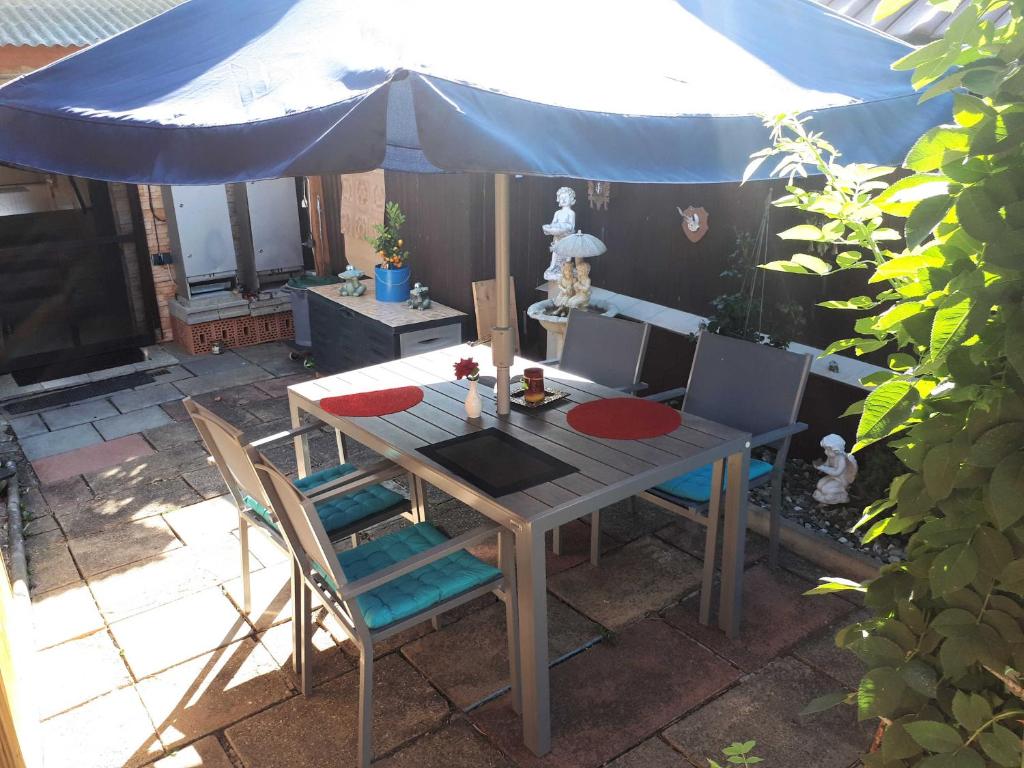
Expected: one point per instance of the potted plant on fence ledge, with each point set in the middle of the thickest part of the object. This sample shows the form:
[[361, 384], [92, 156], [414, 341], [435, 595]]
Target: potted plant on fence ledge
[[391, 276]]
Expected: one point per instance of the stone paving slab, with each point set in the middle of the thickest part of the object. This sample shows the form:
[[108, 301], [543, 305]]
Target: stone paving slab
[[271, 409], [52, 568], [626, 521], [776, 616], [653, 753], [689, 536], [206, 365], [90, 459], [60, 441], [75, 672], [137, 399], [205, 753], [176, 410], [196, 522], [820, 652], [69, 492], [176, 632], [146, 470], [236, 398], [405, 706], [765, 707], [64, 614], [468, 660], [329, 661], [132, 589], [26, 426], [132, 422], [34, 545], [644, 576], [137, 503], [456, 745], [40, 525], [199, 385], [271, 595], [122, 544], [204, 695], [79, 413], [611, 697], [207, 482], [170, 435], [113, 730], [279, 387]]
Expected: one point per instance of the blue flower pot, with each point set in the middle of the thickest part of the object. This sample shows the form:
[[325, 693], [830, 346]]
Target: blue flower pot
[[391, 284]]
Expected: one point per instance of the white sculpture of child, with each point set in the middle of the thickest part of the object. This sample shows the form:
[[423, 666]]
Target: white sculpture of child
[[562, 224], [580, 298], [566, 285], [839, 468]]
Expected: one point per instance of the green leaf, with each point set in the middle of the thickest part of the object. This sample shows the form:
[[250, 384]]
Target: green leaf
[[978, 214], [954, 622], [802, 232], [906, 194], [953, 568], [971, 710], [879, 693], [924, 218], [830, 584], [993, 549], [886, 408], [903, 266], [933, 736], [994, 444], [1002, 746], [1014, 341], [939, 470], [950, 326], [921, 677], [857, 302], [936, 147], [785, 266], [812, 263], [1011, 579], [969, 110], [821, 703], [1006, 490]]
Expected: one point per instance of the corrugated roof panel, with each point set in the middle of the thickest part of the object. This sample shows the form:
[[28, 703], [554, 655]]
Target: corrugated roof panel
[[72, 22], [918, 23]]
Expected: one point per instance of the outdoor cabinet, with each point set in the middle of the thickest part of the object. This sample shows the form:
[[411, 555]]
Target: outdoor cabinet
[[353, 332]]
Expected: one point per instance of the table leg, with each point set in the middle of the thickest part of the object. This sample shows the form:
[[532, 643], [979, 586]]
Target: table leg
[[533, 639], [301, 442], [730, 609]]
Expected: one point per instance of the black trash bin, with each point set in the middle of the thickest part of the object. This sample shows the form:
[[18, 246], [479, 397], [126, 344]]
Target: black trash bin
[[298, 293]]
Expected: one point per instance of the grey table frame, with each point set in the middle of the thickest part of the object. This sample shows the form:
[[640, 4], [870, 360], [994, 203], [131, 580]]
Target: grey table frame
[[623, 468]]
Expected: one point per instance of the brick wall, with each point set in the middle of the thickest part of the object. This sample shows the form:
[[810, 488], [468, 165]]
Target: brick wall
[[155, 223]]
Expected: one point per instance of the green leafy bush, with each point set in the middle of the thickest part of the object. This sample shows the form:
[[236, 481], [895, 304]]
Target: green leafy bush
[[945, 643]]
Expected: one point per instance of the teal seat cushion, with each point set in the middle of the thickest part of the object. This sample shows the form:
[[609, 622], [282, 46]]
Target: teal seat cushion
[[338, 512], [416, 591], [696, 485]]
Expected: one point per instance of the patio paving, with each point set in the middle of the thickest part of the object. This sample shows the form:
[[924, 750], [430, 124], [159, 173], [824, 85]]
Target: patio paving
[[146, 658]]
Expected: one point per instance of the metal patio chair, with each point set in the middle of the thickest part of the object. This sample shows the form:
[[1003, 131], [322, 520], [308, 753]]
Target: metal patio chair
[[609, 351], [347, 499], [386, 585], [750, 387]]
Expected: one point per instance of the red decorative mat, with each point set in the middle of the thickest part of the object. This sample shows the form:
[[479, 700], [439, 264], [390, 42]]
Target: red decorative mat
[[378, 403], [623, 418]]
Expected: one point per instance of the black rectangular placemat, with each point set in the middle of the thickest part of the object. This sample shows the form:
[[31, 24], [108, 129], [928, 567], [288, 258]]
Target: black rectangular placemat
[[495, 462]]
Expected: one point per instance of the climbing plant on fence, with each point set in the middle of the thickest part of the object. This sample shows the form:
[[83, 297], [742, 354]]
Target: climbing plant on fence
[[945, 642]]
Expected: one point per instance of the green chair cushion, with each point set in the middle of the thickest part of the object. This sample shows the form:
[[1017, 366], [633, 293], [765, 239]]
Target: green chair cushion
[[696, 485], [342, 511], [419, 590]]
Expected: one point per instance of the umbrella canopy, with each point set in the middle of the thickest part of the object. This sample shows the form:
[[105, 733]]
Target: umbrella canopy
[[579, 246], [217, 91]]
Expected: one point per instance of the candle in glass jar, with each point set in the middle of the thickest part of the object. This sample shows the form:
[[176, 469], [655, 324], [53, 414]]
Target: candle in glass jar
[[533, 378]]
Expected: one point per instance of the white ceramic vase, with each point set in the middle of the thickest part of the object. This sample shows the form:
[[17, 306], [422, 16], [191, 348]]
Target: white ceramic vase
[[473, 401]]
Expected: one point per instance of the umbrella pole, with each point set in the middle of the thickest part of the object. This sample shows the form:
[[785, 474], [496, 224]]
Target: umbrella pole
[[501, 337]]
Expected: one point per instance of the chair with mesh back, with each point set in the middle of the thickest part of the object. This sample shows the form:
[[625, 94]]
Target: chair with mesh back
[[609, 351], [750, 387], [348, 499], [385, 585]]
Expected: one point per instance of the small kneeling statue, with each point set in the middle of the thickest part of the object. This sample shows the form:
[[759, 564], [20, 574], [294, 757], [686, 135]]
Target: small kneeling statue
[[839, 468], [419, 297]]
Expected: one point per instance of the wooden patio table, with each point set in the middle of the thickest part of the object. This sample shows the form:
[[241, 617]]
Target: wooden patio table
[[608, 471]]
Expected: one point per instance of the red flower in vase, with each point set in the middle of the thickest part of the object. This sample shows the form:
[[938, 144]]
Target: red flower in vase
[[467, 368]]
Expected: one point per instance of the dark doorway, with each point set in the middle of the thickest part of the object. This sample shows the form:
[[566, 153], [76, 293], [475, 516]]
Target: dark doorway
[[73, 282]]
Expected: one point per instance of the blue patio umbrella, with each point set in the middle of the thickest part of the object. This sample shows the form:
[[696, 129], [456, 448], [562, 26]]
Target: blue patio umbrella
[[654, 91]]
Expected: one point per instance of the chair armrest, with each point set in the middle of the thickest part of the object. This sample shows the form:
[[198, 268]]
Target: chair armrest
[[552, 363], [353, 481], [668, 394], [278, 436], [382, 577], [774, 435]]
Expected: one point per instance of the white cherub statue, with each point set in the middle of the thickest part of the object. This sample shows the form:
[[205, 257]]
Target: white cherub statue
[[566, 284], [840, 469], [580, 298], [562, 224]]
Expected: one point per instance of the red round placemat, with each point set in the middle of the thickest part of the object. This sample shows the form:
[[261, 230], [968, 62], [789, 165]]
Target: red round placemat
[[377, 403], [623, 418]]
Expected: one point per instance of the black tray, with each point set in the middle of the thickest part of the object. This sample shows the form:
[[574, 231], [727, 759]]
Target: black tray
[[551, 397], [495, 462]]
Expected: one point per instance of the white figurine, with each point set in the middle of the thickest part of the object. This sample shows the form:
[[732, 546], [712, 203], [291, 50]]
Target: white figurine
[[562, 224], [839, 468], [580, 298]]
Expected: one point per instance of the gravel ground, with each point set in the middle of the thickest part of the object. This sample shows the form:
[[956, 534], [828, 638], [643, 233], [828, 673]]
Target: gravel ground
[[798, 504]]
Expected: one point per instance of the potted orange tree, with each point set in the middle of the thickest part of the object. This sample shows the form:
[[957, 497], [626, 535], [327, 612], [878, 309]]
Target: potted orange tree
[[391, 275]]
